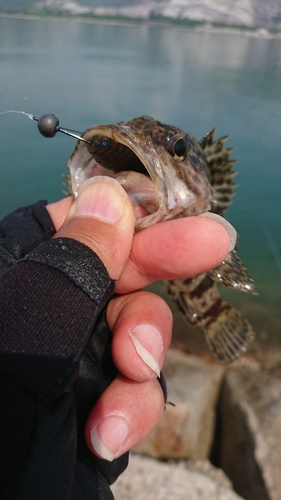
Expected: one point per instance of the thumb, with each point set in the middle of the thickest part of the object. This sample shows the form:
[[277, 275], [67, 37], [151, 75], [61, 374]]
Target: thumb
[[102, 218]]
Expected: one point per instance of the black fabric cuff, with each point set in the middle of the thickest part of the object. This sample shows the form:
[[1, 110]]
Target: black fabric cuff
[[82, 266], [23, 230]]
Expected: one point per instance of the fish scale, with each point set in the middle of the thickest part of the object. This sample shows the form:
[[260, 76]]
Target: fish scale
[[198, 180]]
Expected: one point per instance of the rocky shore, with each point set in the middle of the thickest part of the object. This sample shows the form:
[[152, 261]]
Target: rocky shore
[[221, 440]]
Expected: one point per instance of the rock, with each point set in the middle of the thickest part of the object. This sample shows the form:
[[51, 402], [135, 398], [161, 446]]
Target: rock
[[250, 416], [207, 469], [186, 430], [148, 479]]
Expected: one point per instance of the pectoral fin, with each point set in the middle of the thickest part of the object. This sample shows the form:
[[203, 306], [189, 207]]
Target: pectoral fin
[[232, 273]]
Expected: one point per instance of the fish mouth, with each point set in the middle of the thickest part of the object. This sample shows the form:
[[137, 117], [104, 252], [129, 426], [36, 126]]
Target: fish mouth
[[128, 168], [111, 154]]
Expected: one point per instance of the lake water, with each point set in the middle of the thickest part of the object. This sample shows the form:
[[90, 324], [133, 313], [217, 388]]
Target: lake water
[[98, 73]]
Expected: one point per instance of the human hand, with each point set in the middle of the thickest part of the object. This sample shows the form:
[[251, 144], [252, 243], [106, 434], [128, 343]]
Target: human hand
[[102, 218]]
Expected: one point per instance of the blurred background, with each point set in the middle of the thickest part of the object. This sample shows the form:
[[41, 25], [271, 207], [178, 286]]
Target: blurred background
[[97, 72]]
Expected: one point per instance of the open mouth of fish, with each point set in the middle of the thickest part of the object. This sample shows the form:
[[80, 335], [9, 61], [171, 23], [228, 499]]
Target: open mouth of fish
[[154, 167], [122, 164]]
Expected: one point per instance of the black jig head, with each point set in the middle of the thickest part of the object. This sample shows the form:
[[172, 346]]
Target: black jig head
[[48, 125]]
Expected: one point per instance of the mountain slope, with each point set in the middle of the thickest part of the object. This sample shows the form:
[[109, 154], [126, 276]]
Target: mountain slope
[[250, 13]]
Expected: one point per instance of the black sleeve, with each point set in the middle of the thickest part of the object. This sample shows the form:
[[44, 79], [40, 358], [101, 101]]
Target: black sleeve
[[22, 231], [55, 362]]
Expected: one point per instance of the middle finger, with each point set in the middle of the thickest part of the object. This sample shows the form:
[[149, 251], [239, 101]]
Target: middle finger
[[141, 323]]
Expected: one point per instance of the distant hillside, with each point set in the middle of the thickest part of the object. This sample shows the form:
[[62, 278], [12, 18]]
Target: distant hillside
[[23, 5], [15, 5], [248, 13]]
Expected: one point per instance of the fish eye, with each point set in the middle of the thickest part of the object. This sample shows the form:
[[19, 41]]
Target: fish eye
[[178, 146]]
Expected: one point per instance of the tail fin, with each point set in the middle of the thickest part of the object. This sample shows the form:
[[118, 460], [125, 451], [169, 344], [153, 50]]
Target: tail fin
[[227, 332]]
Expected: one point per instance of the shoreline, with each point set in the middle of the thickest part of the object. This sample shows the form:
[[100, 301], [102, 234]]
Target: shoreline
[[200, 28]]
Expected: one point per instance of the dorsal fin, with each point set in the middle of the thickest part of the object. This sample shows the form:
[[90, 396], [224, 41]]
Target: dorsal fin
[[207, 139], [220, 170]]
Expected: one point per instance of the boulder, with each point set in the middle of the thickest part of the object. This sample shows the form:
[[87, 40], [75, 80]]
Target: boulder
[[149, 479], [186, 429], [250, 433]]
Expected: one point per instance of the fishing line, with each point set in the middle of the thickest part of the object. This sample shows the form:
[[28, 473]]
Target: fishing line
[[48, 125], [19, 112]]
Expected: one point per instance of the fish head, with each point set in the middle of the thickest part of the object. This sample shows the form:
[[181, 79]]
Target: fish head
[[162, 168]]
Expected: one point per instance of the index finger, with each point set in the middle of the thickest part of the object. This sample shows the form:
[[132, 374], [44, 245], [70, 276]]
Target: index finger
[[173, 249]]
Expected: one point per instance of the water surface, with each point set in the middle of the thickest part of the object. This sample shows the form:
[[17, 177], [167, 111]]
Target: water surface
[[98, 73]]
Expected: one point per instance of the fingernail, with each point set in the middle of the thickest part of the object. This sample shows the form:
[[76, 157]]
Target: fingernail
[[227, 226], [102, 198], [108, 436], [148, 343]]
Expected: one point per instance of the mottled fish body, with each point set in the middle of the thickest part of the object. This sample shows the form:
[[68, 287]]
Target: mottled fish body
[[168, 174]]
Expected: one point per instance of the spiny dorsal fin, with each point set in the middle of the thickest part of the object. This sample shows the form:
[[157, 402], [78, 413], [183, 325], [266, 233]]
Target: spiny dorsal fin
[[207, 139], [220, 171]]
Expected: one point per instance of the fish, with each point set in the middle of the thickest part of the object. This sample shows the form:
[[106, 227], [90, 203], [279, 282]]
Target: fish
[[168, 174]]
